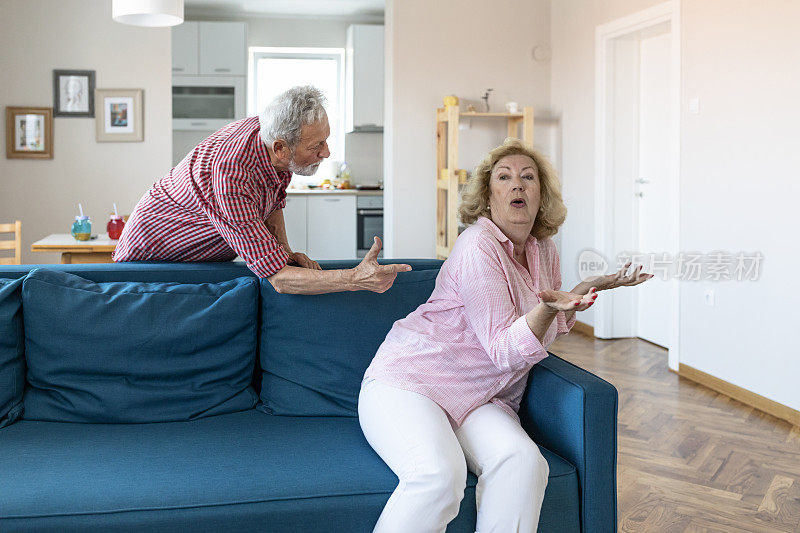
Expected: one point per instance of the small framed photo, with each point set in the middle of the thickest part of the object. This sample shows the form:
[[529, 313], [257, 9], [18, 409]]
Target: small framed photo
[[120, 115], [29, 132], [73, 93]]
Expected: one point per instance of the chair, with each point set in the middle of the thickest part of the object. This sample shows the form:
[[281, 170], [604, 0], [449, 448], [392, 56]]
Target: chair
[[13, 244]]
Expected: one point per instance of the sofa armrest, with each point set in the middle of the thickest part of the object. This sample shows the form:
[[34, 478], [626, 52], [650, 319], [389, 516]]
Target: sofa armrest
[[573, 413]]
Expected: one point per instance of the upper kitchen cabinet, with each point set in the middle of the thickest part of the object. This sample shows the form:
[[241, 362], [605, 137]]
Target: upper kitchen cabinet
[[209, 49], [184, 49], [223, 48], [364, 78]]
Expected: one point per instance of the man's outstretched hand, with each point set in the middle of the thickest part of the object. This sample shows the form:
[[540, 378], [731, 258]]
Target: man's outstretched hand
[[371, 276]]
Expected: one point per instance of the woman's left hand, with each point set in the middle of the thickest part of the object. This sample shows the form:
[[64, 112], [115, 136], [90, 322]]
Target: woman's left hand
[[568, 301], [621, 278]]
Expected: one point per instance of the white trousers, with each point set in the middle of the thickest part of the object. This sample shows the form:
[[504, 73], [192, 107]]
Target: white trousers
[[413, 435]]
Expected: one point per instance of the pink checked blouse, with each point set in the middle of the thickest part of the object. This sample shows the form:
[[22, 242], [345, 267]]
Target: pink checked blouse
[[212, 206], [470, 344]]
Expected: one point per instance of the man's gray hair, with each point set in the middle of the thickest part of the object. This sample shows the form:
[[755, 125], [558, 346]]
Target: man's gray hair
[[285, 116]]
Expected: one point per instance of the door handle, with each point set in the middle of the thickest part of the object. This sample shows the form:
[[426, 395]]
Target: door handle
[[642, 180]]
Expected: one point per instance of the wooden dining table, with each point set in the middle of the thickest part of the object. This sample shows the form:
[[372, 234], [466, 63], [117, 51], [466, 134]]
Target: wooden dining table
[[74, 251]]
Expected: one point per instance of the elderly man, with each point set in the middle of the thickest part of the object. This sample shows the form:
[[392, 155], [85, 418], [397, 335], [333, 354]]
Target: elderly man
[[226, 198]]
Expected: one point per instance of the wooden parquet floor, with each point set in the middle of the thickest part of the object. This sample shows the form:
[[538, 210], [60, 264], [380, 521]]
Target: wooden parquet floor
[[690, 459]]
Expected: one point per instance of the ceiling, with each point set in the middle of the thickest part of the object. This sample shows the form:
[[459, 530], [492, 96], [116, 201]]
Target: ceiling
[[287, 8]]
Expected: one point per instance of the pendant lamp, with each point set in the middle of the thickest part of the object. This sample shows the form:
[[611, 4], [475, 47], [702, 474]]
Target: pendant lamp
[[151, 13]]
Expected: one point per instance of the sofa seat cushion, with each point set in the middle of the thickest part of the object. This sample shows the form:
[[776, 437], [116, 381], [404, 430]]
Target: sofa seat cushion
[[234, 472], [121, 352]]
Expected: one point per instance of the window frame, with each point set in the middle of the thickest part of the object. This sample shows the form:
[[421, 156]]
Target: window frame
[[284, 52]]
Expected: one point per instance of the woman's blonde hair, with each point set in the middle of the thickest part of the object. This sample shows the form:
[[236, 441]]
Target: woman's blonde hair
[[475, 200]]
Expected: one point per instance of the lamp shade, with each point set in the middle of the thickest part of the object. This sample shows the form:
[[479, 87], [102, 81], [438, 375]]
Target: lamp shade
[[147, 12]]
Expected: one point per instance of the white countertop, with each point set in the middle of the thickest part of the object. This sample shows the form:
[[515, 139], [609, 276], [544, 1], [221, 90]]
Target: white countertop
[[336, 191]]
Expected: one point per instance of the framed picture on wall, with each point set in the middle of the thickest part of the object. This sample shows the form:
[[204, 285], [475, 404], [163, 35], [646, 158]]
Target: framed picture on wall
[[73, 93], [29, 132], [120, 115]]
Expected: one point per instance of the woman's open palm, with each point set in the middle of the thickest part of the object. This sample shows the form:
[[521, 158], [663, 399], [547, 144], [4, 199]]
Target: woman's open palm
[[568, 301]]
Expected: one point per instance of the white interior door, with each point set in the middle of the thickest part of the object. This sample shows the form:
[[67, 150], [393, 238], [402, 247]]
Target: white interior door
[[653, 188], [636, 164]]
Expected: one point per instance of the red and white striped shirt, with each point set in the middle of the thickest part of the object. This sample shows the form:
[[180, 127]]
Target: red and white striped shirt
[[212, 206], [470, 343]]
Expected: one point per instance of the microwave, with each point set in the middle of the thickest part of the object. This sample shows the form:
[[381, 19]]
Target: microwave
[[207, 103]]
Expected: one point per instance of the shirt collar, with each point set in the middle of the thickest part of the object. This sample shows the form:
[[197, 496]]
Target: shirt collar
[[282, 177], [487, 223]]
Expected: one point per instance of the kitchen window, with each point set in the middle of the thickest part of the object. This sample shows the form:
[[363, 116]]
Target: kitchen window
[[273, 70]]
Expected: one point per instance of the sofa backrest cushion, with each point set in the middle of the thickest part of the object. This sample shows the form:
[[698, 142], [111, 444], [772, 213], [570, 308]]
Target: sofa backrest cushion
[[12, 356], [314, 350], [126, 352]]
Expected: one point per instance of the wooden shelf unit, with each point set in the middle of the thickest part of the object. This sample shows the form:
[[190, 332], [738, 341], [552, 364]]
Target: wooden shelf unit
[[447, 198]]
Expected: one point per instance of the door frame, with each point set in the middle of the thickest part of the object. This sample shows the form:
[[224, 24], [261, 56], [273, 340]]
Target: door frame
[[604, 148]]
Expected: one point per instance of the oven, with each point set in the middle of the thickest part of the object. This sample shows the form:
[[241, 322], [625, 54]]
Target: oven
[[369, 222]]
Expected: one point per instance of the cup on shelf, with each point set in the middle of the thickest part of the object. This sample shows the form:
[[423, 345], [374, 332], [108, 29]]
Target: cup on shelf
[[512, 107]]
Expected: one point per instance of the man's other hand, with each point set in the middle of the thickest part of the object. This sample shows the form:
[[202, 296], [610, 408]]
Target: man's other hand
[[302, 260]]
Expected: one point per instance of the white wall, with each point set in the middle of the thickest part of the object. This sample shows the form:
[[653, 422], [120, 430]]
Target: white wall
[[739, 179], [452, 47], [740, 186], [37, 36], [363, 151]]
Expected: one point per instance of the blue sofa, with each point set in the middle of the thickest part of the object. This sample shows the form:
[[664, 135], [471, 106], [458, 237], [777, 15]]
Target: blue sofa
[[193, 397]]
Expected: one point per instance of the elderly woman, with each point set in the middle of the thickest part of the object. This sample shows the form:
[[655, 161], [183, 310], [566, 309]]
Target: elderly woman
[[443, 391]]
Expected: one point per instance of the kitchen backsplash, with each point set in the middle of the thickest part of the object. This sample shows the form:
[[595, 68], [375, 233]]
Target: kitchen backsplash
[[364, 152]]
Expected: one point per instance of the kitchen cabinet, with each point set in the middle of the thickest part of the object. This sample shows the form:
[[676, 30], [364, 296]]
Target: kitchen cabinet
[[332, 227], [322, 226], [209, 49], [364, 78], [184, 48], [223, 49], [294, 216]]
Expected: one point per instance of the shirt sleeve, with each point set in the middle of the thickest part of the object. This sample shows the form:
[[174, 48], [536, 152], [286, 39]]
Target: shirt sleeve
[[239, 222], [491, 313], [563, 325]]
